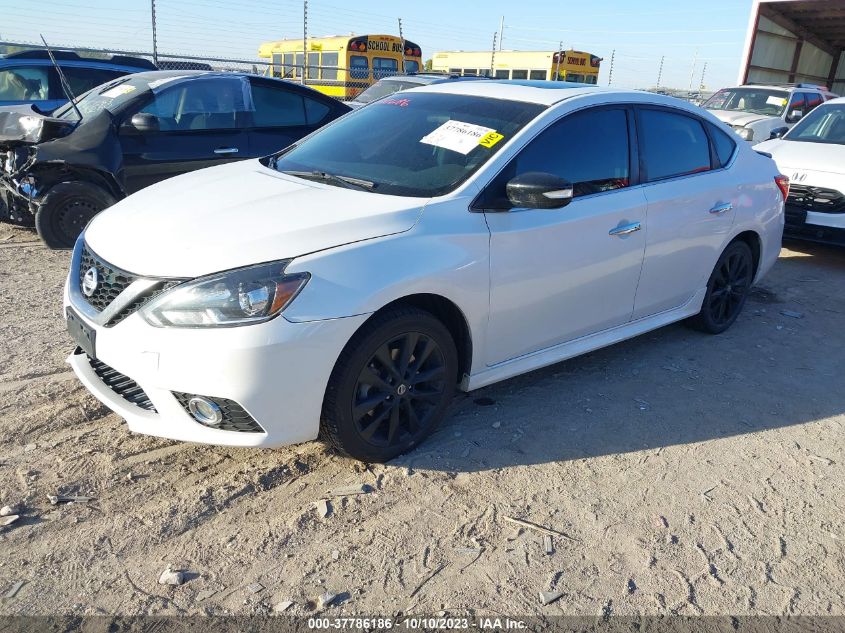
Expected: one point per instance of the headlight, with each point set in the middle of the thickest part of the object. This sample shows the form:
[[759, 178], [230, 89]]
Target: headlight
[[745, 132], [236, 297]]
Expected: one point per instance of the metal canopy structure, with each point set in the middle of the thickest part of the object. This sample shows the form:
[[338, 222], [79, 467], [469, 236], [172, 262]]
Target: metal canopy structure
[[796, 41]]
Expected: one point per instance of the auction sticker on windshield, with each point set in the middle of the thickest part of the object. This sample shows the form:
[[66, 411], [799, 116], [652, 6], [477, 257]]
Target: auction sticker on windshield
[[461, 137], [117, 91]]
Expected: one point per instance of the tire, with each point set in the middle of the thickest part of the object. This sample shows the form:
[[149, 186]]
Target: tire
[[727, 289], [373, 409], [66, 210]]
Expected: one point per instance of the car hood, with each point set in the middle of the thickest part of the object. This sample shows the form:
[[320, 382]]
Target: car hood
[[737, 118], [792, 156], [236, 215]]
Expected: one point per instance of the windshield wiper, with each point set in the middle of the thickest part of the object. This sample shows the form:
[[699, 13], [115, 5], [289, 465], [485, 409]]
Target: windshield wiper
[[344, 181]]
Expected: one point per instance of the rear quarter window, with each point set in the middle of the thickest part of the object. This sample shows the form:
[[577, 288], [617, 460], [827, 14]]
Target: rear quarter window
[[723, 144]]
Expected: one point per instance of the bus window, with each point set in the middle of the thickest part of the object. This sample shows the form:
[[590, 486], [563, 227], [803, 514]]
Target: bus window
[[519, 74], [574, 77], [299, 65], [359, 67], [289, 70], [454, 71], [484, 72], [313, 65], [329, 64], [412, 66], [384, 67], [277, 64], [537, 74], [503, 74], [470, 72]]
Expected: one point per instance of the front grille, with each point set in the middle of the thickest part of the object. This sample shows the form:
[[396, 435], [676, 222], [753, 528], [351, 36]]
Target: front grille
[[122, 385], [112, 281], [234, 416], [139, 302], [816, 199]]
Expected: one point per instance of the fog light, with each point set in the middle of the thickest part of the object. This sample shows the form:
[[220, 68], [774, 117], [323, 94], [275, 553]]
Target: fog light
[[205, 411]]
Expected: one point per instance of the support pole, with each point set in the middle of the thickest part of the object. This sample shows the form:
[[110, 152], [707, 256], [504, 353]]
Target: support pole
[[660, 70], [304, 41], [493, 57], [402, 40], [557, 67], [155, 41], [610, 76], [501, 32]]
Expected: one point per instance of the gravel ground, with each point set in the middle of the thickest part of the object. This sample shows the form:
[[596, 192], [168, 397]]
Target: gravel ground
[[685, 474]]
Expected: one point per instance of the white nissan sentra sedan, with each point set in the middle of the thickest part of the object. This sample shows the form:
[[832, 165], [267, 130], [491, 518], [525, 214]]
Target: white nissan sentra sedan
[[452, 237]]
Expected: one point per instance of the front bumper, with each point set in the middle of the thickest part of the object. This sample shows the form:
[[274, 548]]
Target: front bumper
[[828, 228], [277, 371]]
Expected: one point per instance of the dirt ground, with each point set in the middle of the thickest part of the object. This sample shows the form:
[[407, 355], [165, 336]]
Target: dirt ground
[[691, 474]]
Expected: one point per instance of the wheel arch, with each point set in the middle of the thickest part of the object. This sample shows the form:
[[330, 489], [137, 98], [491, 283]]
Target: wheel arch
[[448, 312], [755, 243]]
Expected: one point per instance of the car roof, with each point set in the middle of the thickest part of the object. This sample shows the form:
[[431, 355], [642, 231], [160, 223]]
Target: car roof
[[540, 92], [785, 88], [835, 101]]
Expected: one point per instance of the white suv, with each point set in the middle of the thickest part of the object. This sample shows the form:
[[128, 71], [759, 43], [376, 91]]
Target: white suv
[[759, 112], [812, 155], [449, 237]]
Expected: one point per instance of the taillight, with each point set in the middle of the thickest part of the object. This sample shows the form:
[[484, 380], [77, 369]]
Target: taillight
[[783, 184]]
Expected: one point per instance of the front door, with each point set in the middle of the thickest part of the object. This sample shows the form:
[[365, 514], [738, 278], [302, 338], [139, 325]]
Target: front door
[[200, 125], [559, 274]]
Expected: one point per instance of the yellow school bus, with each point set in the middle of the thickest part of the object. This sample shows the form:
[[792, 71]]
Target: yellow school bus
[[548, 65], [342, 66]]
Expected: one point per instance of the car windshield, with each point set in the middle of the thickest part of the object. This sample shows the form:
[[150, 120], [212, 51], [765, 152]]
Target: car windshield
[[419, 145], [110, 96], [823, 125], [765, 101], [383, 88]]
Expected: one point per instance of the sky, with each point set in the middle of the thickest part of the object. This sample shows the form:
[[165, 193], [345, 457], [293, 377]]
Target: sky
[[686, 35]]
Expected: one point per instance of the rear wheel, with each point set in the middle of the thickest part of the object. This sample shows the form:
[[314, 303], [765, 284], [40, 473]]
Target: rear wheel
[[727, 290], [66, 210], [391, 385]]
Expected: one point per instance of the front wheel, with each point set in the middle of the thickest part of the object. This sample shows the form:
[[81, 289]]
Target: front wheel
[[66, 210], [391, 385], [727, 290]]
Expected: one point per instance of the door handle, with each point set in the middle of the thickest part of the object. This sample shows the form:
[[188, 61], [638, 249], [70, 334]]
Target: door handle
[[226, 150], [719, 209], [625, 229]]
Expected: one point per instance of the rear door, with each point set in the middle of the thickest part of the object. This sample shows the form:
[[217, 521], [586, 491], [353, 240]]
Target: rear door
[[283, 114], [692, 195], [201, 124]]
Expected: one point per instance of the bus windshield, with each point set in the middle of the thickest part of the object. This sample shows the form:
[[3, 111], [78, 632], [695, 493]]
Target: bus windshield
[[754, 100], [419, 145]]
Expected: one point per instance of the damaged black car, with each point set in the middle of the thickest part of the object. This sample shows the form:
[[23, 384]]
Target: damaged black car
[[57, 172]]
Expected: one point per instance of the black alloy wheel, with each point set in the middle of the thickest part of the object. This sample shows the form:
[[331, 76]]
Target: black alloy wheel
[[398, 390], [66, 210], [727, 289], [391, 385]]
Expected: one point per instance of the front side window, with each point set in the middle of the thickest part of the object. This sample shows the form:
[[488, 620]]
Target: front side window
[[823, 125], [590, 149], [420, 145], [24, 84], [200, 104], [763, 101], [672, 144]]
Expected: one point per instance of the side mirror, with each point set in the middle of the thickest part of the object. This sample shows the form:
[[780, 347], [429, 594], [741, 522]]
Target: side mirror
[[539, 190], [144, 122], [778, 132], [795, 116]]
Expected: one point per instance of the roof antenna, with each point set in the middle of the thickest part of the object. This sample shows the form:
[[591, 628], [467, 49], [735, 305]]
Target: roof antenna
[[65, 86]]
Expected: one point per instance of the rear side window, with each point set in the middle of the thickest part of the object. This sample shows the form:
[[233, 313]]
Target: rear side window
[[590, 149], [723, 144], [24, 84], [672, 145], [275, 107]]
